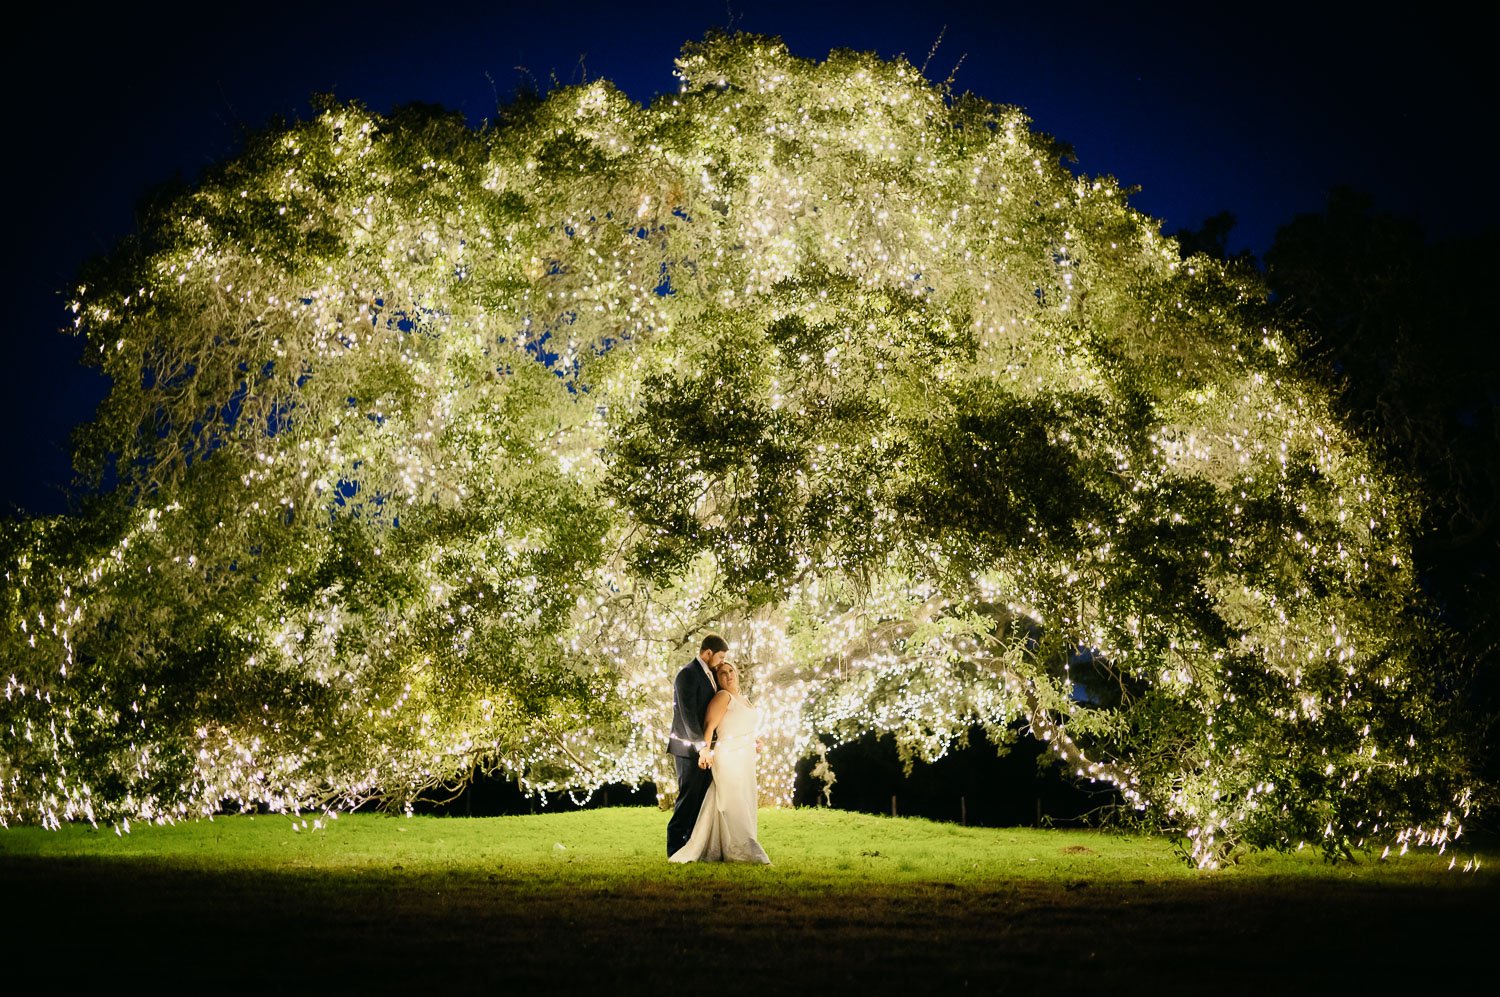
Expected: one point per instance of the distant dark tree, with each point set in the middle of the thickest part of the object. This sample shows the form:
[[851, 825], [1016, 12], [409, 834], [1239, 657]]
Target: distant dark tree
[[1211, 238], [1404, 328]]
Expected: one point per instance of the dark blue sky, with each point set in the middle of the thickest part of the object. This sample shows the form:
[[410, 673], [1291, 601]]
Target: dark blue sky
[[1258, 111]]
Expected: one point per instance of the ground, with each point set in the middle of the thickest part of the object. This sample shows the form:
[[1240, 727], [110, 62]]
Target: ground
[[585, 902]]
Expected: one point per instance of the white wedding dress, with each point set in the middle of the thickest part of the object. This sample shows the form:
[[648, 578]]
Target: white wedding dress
[[725, 831]]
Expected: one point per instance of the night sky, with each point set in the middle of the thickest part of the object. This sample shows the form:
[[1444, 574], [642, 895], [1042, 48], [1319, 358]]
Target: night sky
[[1257, 111]]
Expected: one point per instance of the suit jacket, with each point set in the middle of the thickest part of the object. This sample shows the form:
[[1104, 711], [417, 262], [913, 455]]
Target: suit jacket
[[690, 695]]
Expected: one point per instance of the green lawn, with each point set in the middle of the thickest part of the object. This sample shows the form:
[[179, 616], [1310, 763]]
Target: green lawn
[[586, 901]]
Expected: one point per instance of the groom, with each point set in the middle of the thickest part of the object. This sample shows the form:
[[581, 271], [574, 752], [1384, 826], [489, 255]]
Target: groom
[[694, 687]]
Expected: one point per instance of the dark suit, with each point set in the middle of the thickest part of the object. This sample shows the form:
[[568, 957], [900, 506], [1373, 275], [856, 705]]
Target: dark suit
[[691, 693]]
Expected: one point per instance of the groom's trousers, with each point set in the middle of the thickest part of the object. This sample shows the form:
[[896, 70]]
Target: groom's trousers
[[692, 786]]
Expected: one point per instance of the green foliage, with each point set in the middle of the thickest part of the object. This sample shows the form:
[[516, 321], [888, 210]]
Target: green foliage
[[1413, 371], [440, 448]]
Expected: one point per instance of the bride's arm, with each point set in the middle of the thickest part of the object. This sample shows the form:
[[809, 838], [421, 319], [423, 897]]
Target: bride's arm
[[716, 710]]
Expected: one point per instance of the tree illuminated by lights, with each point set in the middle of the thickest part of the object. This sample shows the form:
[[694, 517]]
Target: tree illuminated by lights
[[439, 448]]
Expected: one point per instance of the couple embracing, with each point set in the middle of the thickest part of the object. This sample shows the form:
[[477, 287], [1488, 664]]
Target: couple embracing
[[713, 744]]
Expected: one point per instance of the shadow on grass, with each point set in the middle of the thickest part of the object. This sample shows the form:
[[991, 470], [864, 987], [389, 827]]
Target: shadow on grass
[[91, 921]]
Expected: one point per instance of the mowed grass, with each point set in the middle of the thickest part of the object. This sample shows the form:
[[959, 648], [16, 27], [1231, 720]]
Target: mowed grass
[[585, 901]]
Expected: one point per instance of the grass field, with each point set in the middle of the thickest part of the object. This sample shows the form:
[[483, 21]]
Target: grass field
[[585, 901]]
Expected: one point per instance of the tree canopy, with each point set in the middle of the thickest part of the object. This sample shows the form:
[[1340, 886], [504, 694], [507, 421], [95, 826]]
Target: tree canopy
[[433, 447]]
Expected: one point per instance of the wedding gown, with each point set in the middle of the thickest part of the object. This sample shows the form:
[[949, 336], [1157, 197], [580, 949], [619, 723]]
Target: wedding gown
[[725, 831]]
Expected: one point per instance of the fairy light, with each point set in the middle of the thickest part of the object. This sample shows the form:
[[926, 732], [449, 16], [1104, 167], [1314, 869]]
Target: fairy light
[[407, 537]]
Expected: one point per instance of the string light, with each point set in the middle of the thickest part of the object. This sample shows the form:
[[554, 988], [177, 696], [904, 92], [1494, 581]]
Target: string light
[[439, 448]]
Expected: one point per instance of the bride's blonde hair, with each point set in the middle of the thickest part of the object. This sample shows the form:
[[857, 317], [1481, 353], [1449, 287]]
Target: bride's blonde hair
[[719, 675]]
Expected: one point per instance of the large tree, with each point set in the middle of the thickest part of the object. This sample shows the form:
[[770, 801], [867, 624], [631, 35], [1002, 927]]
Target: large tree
[[437, 447]]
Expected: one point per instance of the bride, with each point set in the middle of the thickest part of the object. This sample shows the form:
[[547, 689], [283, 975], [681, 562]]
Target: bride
[[725, 831]]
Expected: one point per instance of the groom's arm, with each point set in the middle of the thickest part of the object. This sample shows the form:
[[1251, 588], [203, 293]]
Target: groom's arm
[[690, 696]]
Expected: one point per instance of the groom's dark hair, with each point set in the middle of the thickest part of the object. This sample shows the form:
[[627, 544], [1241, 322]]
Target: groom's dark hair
[[713, 643]]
